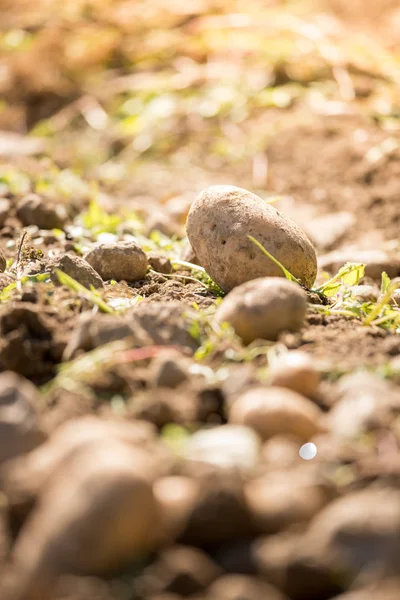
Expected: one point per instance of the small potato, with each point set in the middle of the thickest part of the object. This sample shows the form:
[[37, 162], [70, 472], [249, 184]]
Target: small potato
[[177, 497], [96, 515], [278, 500], [273, 411], [263, 308], [295, 371], [219, 222]]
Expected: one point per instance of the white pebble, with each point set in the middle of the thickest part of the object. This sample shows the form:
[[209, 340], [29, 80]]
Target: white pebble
[[308, 451]]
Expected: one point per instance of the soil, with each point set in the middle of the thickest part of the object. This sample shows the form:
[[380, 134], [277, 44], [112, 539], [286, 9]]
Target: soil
[[334, 164]]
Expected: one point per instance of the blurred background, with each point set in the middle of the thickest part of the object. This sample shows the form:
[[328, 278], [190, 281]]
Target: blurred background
[[156, 99]]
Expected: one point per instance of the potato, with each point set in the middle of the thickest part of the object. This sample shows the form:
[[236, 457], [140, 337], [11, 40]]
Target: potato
[[263, 308], [272, 411], [96, 515], [24, 477], [295, 371], [219, 222], [177, 497], [280, 499]]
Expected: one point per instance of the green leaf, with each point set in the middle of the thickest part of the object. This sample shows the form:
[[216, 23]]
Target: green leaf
[[349, 274]]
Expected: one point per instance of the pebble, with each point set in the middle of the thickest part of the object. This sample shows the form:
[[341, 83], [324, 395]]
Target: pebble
[[123, 261], [33, 210], [77, 268]]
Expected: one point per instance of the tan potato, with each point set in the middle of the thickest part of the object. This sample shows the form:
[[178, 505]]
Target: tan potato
[[263, 308], [219, 222], [280, 499], [273, 411], [24, 478], [295, 371], [96, 515]]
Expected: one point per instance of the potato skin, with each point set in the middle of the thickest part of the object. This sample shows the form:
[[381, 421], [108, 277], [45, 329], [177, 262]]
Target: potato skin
[[219, 222], [94, 516], [263, 308], [275, 411]]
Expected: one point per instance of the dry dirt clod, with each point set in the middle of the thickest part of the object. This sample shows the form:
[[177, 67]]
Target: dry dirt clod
[[123, 261], [77, 268], [170, 369], [219, 222], [263, 308], [96, 515], [273, 410], [20, 430], [33, 210], [159, 263], [295, 371]]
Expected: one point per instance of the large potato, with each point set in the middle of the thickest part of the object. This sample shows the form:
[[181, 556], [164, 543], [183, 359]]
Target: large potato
[[219, 222], [95, 515], [263, 308]]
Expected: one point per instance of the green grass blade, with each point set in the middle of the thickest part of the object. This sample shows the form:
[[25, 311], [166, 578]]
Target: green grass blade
[[286, 273], [73, 285]]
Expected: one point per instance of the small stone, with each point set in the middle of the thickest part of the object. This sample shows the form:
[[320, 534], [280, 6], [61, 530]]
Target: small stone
[[123, 261], [308, 451], [33, 210], [263, 308], [77, 268], [20, 431], [375, 262], [159, 263], [5, 207]]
